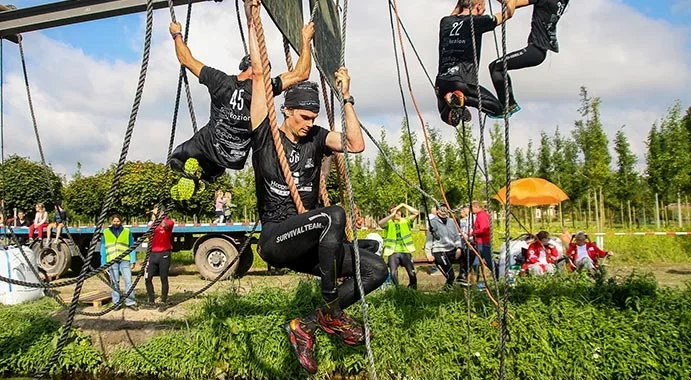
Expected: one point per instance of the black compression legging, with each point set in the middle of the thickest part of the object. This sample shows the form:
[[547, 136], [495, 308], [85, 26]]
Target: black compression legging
[[529, 56], [193, 148], [159, 264], [314, 243], [443, 261], [405, 260], [490, 103]]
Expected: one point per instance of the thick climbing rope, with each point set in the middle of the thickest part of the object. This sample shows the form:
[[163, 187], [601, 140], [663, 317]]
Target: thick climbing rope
[[507, 207], [349, 188], [242, 32], [62, 341], [183, 72], [275, 134], [326, 161], [340, 165], [468, 290], [482, 144], [286, 50], [429, 150]]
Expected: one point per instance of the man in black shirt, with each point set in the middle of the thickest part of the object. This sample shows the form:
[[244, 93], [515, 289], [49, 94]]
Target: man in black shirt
[[543, 37], [313, 242], [456, 84], [225, 140]]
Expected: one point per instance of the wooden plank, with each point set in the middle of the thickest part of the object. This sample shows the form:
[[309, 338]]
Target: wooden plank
[[95, 298]]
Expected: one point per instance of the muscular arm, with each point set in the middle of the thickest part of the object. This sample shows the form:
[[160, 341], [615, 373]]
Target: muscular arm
[[301, 72], [355, 143], [183, 52], [510, 9]]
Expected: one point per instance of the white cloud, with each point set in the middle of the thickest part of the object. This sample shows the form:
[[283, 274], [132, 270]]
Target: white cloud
[[638, 65]]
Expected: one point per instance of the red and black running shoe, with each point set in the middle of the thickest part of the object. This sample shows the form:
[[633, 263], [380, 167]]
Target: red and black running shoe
[[458, 112], [303, 344], [344, 326]]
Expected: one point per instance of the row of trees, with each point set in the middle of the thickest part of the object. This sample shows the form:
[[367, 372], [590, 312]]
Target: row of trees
[[581, 163]]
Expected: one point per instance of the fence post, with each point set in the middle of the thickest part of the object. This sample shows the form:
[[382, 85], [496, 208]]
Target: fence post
[[657, 211], [679, 209]]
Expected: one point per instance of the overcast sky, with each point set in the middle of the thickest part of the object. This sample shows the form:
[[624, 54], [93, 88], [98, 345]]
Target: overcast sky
[[635, 57]]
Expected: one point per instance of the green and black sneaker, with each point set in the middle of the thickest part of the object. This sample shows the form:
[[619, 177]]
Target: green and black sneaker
[[189, 183]]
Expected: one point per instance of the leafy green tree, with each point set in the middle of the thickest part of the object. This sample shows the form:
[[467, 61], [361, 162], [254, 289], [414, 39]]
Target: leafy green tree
[[669, 156], [519, 163], [544, 158], [84, 195], [626, 179], [530, 160], [592, 141], [497, 159], [25, 183]]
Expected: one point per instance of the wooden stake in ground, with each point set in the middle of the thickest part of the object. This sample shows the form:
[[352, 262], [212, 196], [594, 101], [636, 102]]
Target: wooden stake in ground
[[657, 211]]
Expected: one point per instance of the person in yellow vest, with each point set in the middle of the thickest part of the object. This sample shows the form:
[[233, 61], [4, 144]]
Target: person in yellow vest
[[398, 243], [116, 240]]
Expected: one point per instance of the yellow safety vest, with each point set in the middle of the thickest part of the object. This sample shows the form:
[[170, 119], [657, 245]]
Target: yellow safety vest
[[116, 246], [390, 241]]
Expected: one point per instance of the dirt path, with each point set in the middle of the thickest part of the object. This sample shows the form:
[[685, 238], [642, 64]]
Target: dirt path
[[125, 327]]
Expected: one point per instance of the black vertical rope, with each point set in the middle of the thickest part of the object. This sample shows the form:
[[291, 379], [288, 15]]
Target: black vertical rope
[[183, 72], [349, 189], [507, 210], [62, 341], [242, 32]]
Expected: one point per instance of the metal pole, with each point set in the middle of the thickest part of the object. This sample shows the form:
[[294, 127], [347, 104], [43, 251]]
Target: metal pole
[[657, 211]]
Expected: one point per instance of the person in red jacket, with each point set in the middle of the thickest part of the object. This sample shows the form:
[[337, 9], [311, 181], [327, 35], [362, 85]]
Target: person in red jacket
[[159, 261], [584, 255], [482, 239], [542, 256]]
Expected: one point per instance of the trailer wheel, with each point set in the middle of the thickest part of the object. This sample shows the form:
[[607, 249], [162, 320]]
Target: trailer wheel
[[54, 259], [214, 255]]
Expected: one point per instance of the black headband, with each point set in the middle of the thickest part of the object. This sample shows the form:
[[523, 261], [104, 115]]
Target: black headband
[[304, 95], [246, 63]]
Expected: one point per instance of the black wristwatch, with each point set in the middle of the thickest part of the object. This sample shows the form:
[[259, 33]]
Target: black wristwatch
[[349, 100]]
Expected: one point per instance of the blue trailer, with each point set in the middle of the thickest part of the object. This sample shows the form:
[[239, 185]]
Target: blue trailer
[[214, 247]]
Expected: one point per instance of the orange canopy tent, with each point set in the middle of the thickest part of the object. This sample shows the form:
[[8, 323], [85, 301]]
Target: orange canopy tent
[[531, 192]]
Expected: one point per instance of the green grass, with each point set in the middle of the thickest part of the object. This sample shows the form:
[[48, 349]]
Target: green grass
[[561, 328]]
